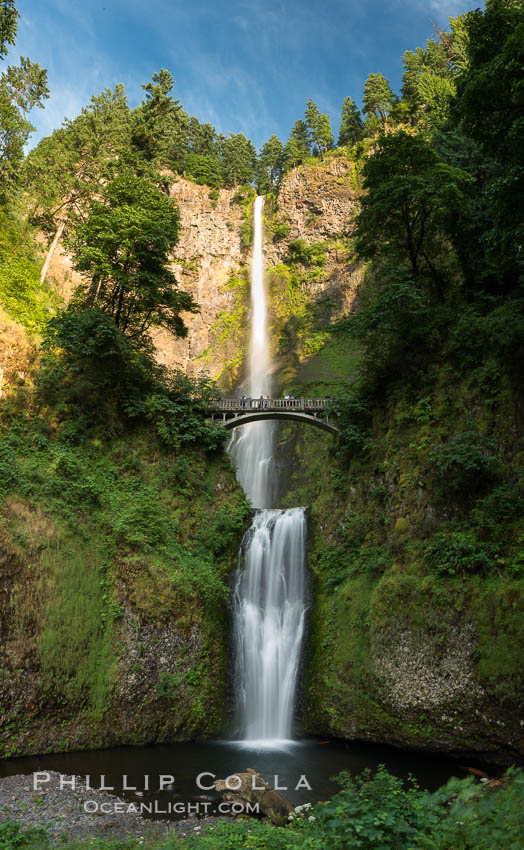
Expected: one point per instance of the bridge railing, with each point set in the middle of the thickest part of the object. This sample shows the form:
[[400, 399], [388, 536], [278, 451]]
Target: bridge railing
[[312, 405]]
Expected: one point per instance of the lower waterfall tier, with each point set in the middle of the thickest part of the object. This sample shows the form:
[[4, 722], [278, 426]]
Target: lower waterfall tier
[[270, 609]]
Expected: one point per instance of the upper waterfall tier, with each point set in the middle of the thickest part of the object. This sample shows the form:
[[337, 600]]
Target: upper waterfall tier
[[252, 445]]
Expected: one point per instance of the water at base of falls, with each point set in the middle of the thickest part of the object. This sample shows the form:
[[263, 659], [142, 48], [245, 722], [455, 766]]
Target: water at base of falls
[[270, 613]]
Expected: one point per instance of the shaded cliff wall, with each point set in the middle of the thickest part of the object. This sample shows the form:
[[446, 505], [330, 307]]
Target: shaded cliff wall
[[115, 559]]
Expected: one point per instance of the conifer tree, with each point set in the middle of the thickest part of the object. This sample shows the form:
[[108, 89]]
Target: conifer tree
[[8, 25], [239, 160], [22, 87], [319, 127], [271, 159], [159, 118], [351, 125], [378, 97]]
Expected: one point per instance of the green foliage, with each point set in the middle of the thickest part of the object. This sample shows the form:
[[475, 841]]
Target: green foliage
[[411, 196], [93, 377], [8, 25], [353, 420], [455, 552], [489, 107], [307, 254], [239, 160], [75, 646], [378, 97], [464, 465], [298, 146], [21, 294], [351, 125], [14, 836], [428, 83], [204, 169], [155, 124], [321, 135], [21, 88], [168, 683], [376, 813], [124, 247], [271, 164]]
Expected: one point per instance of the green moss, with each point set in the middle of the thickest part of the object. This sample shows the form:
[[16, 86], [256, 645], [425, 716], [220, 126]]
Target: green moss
[[103, 537], [75, 647], [229, 334], [22, 295], [381, 547], [500, 635]]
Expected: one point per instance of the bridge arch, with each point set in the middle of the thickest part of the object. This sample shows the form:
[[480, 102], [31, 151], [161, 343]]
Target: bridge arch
[[294, 415]]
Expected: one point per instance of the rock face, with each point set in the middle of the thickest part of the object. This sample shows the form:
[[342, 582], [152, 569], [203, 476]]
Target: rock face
[[104, 644], [317, 202], [17, 354], [250, 788], [211, 262], [397, 663], [209, 253]]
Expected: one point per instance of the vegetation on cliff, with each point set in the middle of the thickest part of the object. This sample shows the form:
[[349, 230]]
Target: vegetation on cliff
[[120, 515], [418, 535]]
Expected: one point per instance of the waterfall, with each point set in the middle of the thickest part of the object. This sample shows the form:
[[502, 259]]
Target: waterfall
[[252, 445], [270, 591]]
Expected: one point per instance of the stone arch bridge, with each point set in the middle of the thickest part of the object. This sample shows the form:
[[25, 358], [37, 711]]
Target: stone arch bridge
[[240, 411]]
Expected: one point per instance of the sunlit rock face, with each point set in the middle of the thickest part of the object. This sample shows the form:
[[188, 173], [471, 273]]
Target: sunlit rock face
[[208, 254]]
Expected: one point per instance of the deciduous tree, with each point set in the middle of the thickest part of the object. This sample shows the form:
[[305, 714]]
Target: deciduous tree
[[123, 250], [412, 195]]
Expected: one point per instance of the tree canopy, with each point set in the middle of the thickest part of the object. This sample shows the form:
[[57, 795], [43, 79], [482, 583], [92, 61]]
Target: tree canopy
[[378, 97], [123, 249], [351, 125]]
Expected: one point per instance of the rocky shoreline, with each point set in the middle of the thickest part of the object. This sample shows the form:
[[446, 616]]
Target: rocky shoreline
[[62, 811]]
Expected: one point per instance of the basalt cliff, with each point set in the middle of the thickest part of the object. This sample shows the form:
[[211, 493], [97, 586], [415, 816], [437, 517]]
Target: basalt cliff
[[397, 653]]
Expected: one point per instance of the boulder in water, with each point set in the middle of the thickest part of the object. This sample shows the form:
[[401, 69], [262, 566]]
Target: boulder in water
[[251, 788]]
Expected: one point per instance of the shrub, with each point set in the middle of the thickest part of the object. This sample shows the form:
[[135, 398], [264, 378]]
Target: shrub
[[167, 684], [307, 254], [457, 552], [375, 813], [14, 836], [464, 465], [353, 420], [95, 377], [280, 231]]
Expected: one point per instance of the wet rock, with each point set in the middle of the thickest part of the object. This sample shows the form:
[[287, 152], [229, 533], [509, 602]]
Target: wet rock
[[250, 788]]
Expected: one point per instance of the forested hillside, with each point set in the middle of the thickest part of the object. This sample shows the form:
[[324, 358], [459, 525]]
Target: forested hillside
[[395, 273], [417, 519]]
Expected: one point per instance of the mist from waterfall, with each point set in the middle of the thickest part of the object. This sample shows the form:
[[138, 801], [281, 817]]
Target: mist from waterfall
[[270, 589]]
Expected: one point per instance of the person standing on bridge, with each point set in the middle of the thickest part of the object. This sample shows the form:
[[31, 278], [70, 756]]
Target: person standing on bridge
[[243, 402], [261, 402]]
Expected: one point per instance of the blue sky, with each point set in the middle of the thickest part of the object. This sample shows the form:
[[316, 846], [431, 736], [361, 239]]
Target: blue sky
[[243, 65]]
